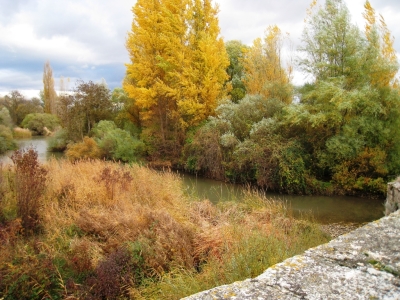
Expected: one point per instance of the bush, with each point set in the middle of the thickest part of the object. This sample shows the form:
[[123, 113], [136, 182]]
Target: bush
[[30, 182], [5, 118], [87, 149], [58, 142], [40, 123], [6, 139], [116, 143], [21, 133]]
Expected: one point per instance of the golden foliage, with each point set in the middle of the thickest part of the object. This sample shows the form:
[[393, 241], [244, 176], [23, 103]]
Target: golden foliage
[[178, 63], [380, 39], [264, 67], [87, 149]]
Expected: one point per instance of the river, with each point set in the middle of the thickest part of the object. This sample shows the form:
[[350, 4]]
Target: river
[[324, 209]]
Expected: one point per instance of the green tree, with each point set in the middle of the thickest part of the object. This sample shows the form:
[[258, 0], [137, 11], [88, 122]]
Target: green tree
[[11, 102], [331, 43], [127, 113], [5, 118], [348, 119], [117, 144], [40, 123], [235, 70], [89, 104]]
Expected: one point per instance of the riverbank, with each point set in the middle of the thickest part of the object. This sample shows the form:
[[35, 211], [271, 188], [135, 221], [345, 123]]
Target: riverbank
[[96, 229], [324, 209], [363, 264]]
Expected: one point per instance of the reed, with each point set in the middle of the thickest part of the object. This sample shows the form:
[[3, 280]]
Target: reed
[[110, 230], [21, 133]]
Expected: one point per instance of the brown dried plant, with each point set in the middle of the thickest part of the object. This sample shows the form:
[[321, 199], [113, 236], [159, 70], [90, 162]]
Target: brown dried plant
[[30, 183]]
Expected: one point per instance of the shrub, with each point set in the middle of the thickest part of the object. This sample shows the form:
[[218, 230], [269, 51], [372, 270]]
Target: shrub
[[5, 118], [116, 143], [30, 182], [6, 139], [114, 275], [87, 149], [21, 133], [39, 122], [58, 142], [30, 275]]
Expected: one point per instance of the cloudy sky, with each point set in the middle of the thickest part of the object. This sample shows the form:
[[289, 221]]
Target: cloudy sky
[[85, 39]]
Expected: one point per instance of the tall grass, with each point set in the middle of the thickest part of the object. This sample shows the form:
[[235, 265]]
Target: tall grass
[[118, 231], [21, 133]]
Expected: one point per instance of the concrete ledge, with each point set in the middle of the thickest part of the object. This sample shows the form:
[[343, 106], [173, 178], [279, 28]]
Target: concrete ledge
[[363, 264]]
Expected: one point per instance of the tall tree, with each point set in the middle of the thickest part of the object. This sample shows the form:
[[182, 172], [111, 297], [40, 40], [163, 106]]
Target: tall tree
[[330, 41], [264, 71], [89, 104], [177, 68], [49, 93], [381, 56], [235, 70], [348, 118], [155, 47], [11, 102], [206, 75]]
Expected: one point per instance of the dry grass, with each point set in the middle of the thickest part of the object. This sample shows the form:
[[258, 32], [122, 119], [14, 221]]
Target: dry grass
[[21, 133], [101, 218]]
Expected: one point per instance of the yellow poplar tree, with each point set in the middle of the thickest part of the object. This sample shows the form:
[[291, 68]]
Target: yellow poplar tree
[[381, 46], [49, 93], [177, 71], [205, 76], [264, 72]]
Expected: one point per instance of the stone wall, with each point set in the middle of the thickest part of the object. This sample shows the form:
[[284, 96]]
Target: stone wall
[[393, 197]]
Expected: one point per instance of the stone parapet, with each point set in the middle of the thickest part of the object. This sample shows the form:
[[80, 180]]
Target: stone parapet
[[393, 197]]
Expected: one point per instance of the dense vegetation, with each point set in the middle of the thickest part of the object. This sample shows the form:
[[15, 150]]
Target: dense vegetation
[[103, 230], [229, 111], [95, 229]]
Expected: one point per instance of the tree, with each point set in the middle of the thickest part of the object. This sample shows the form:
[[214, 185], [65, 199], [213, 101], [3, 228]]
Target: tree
[[348, 118], [331, 44], [155, 45], [40, 123], [264, 71], [177, 68], [381, 56], [89, 104], [49, 93], [127, 113], [11, 102], [28, 107], [206, 75], [235, 70]]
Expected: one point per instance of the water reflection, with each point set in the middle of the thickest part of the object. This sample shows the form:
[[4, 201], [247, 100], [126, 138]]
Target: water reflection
[[323, 208], [39, 143]]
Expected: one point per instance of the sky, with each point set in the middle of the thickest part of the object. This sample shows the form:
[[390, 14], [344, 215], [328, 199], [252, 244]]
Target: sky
[[85, 39]]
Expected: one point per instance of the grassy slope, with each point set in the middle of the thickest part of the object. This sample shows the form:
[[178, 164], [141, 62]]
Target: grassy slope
[[118, 231]]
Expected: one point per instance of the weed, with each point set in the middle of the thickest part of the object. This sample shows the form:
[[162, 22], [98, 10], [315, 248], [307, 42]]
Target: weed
[[110, 178], [30, 184], [113, 275]]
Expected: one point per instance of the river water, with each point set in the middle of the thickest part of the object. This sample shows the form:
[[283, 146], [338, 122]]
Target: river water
[[323, 208]]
